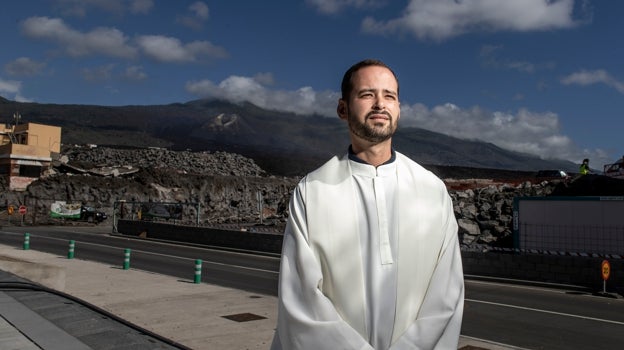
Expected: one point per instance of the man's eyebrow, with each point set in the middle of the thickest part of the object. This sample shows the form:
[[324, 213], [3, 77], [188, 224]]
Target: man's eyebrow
[[387, 91]]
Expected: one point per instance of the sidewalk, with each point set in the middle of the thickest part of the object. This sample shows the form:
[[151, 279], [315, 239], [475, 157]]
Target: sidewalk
[[198, 316]]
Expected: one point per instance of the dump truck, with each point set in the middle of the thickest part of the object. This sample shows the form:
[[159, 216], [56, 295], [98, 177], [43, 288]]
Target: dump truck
[[76, 211]]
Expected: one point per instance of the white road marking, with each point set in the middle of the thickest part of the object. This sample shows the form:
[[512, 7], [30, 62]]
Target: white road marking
[[545, 311]]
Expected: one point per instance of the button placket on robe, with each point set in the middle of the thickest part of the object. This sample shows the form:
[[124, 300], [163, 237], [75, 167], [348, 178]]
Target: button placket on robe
[[382, 215]]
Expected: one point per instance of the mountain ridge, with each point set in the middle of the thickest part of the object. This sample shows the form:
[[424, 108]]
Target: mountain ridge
[[282, 143]]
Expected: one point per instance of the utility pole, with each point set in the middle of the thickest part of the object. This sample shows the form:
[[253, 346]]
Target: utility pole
[[260, 207]]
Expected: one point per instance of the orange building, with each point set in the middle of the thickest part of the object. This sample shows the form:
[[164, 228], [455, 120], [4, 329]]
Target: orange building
[[26, 151]]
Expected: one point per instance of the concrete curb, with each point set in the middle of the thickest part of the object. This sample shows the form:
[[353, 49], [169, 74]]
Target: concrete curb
[[47, 275]]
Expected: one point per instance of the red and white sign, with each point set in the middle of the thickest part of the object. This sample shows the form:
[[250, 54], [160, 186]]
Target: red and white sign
[[22, 209]]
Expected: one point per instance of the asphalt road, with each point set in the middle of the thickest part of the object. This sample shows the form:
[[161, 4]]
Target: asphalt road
[[510, 313], [254, 272]]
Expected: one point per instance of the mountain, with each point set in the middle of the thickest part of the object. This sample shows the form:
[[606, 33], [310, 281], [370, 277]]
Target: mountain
[[282, 143]]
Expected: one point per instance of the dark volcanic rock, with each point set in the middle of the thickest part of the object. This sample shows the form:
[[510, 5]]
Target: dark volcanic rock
[[202, 163]]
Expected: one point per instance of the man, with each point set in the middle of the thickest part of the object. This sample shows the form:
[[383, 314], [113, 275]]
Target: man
[[584, 167], [371, 256]]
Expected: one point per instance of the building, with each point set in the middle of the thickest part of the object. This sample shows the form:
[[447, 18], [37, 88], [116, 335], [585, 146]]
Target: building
[[26, 151]]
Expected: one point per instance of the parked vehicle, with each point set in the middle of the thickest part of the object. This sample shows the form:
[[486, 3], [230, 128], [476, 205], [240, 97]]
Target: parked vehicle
[[90, 214], [76, 211]]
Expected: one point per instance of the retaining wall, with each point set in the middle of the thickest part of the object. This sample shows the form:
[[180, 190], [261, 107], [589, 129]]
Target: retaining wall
[[266, 242], [561, 269], [579, 270]]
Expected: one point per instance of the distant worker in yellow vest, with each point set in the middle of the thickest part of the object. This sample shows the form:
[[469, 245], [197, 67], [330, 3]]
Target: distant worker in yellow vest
[[584, 168]]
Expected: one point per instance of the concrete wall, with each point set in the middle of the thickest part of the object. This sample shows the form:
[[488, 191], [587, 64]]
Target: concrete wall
[[561, 269], [576, 270], [266, 242]]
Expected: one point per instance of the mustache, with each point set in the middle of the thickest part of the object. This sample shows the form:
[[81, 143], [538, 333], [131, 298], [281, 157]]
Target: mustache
[[369, 114]]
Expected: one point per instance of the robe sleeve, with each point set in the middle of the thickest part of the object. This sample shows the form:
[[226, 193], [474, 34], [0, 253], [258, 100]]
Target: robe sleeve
[[307, 319], [438, 323]]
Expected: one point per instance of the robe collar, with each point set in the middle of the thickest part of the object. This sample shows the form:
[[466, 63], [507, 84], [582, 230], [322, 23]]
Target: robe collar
[[355, 158]]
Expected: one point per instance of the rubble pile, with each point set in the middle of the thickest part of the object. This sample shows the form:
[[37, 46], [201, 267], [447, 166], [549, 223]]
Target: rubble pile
[[185, 162], [484, 214]]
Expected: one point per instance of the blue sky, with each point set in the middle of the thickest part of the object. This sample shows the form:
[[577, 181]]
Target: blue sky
[[544, 77]]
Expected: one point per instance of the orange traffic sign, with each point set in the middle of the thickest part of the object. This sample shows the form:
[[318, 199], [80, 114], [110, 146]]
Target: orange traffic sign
[[605, 269], [10, 210]]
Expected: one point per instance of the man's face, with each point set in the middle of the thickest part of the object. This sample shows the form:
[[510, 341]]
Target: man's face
[[372, 110]]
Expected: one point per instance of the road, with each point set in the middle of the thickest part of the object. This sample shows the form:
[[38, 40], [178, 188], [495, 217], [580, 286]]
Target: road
[[509, 313], [542, 318], [241, 270]]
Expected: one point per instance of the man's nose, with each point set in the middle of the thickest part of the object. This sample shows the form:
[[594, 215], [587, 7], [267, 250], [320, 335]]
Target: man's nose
[[379, 103]]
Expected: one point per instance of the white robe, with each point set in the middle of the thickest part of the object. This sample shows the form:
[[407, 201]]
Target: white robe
[[370, 261]]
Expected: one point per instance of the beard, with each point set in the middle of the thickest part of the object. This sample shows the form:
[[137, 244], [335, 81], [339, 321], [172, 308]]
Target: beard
[[372, 133]]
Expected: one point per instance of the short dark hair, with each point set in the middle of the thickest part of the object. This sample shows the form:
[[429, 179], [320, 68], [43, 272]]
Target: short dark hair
[[346, 86]]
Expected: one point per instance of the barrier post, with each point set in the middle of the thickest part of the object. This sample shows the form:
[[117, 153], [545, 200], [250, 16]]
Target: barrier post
[[70, 253], [198, 270], [26, 241], [126, 264]]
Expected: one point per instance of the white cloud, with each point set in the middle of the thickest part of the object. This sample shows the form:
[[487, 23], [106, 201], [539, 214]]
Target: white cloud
[[100, 41], [172, 50], [524, 131], [79, 8], [239, 89], [134, 73], [200, 9], [10, 86], [20, 98], [112, 42], [199, 14], [141, 6], [599, 76], [443, 19], [335, 6], [11, 89], [24, 66], [265, 79], [536, 133]]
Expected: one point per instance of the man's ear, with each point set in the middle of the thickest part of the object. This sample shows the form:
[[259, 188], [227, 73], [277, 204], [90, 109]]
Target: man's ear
[[342, 109]]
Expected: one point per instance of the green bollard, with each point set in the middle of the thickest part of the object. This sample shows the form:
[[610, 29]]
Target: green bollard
[[26, 241], [198, 268], [70, 253], [126, 264]]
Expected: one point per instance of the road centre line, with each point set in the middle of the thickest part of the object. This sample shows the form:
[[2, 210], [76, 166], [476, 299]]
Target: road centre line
[[545, 311]]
